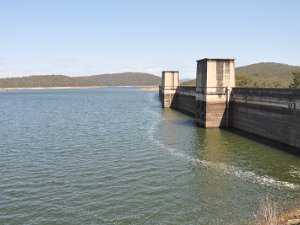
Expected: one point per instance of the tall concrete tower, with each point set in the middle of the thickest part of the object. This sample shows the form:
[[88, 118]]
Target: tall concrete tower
[[170, 82], [215, 78]]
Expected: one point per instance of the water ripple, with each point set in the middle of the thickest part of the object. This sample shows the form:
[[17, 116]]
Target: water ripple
[[227, 169], [102, 156]]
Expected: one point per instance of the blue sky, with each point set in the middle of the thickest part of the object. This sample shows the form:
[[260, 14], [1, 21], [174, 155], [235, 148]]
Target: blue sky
[[88, 37]]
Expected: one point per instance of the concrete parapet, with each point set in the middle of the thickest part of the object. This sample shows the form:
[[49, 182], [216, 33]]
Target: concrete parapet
[[184, 90]]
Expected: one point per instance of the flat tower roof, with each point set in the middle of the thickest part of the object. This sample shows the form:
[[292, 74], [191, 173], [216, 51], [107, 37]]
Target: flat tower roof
[[216, 59]]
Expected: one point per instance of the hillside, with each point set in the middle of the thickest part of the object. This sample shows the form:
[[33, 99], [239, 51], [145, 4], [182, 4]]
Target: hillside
[[117, 79], [262, 75], [265, 75]]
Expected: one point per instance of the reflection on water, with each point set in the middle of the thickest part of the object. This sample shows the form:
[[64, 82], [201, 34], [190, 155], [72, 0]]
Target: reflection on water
[[242, 170], [113, 156]]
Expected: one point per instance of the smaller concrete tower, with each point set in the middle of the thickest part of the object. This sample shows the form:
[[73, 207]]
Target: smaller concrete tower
[[215, 78], [170, 82]]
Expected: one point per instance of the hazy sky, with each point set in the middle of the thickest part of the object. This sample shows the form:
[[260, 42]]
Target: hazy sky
[[85, 37]]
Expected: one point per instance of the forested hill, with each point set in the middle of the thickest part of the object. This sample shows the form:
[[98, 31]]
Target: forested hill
[[117, 79], [262, 75], [266, 74]]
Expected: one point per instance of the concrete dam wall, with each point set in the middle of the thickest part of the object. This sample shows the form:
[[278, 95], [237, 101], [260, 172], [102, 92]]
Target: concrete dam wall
[[269, 113], [185, 100]]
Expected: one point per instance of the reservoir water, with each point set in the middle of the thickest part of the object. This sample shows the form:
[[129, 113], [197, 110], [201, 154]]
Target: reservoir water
[[114, 156]]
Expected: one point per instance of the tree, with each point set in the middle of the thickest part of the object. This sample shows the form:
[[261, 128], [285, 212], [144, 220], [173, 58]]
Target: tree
[[296, 80]]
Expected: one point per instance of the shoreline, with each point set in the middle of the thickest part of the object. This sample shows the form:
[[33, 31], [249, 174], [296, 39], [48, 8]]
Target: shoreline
[[150, 88], [145, 88], [291, 217], [48, 88]]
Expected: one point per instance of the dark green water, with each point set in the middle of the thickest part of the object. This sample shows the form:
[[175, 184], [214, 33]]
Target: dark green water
[[113, 156]]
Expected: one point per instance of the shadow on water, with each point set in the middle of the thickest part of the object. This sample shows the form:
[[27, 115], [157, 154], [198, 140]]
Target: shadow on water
[[185, 123], [268, 142]]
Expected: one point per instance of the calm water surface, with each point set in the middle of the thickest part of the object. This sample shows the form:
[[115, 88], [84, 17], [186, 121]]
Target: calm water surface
[[113, 156]]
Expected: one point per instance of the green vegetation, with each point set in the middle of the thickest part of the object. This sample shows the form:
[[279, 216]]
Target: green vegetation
[[265, 75], [117, 79], [189, 83], [296, 80], [268, 75], [256, 75]]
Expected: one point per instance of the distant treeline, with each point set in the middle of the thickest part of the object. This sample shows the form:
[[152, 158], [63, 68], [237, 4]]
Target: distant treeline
[[117, 79], [256, 75], [264, 75]]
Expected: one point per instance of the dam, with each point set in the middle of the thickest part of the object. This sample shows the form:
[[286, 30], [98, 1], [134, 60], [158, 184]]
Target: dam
[[215, 102]]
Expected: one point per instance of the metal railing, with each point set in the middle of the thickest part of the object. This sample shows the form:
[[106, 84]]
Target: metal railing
[[272, 92], [186, 88], [201, 90]]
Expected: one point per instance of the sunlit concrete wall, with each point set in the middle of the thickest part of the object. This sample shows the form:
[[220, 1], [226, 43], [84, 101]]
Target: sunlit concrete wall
[[167, 90], [215, 78]]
